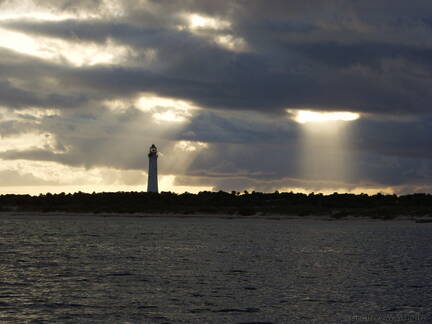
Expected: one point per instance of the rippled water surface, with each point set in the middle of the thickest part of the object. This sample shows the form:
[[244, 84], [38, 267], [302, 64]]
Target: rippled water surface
[[79, 269]]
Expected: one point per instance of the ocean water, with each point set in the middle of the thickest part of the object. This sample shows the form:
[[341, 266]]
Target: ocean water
[[82, 269]]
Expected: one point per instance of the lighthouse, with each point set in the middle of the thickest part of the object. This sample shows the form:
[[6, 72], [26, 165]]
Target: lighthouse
[[152, 183]]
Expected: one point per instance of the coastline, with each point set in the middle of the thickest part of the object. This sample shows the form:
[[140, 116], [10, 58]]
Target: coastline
[[275, 217]]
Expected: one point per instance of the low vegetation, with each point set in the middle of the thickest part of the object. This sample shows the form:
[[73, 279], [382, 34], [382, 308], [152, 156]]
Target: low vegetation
[[337, 206]]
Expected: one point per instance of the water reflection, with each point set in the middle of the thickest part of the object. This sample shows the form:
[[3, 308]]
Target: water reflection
[[195, 271]]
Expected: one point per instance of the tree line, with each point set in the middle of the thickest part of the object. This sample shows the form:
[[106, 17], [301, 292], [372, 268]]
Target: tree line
[[337, 205]]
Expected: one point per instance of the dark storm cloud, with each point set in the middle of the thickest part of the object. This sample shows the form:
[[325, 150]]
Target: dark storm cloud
[[26, 81], [369, 54], [91, 31], [43, 155], [255, 153], [403, 138], [269, 167], [362, 75], [17, 98], [383, 153], [364, 56], [14, 97], [218, 128], [240, 87], [330, 55]]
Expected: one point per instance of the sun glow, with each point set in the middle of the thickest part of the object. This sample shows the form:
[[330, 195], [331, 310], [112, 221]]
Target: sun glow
[[169, 116], [25, 142], [188, 146], [308, 116], [203, 22], [215, 30], [34, 10], [231, 43], [166, 109], [59, 51]]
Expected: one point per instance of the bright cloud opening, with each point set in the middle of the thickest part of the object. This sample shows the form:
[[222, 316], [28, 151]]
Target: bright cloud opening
[[38, 113], [204, 22], [59, 51], [170, 116], [189, 146], [231, 43], [31, 10], [166, 109], [148, 102], [308, 116], [215, 30]]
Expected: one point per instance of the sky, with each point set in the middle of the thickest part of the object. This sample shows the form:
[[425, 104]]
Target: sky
[[265, 95]]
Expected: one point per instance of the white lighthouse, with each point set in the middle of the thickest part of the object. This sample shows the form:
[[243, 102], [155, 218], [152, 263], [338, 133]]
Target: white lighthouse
[[152, 183]]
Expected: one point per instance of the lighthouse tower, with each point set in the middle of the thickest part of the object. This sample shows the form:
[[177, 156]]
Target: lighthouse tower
[[152, 183]]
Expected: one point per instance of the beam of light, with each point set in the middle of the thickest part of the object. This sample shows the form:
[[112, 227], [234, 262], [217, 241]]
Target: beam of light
[[326, 146], [307, 116], [158, 118]]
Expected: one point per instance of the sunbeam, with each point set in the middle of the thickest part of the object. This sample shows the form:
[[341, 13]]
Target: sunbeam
[[326, 155]]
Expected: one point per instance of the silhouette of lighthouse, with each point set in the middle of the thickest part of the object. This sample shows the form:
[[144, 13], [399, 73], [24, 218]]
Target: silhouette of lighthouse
[[152, 183]]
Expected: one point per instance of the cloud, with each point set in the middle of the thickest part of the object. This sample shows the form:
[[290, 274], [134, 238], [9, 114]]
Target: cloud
[[259, 152], [351, 62], [241, 65], [18, 98], [11, 128], [15, 178]]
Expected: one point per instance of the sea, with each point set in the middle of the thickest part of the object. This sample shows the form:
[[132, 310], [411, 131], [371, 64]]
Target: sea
[[95, 269]]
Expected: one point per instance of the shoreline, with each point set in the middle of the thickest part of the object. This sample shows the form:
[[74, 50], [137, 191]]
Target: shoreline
[[276, 217]]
